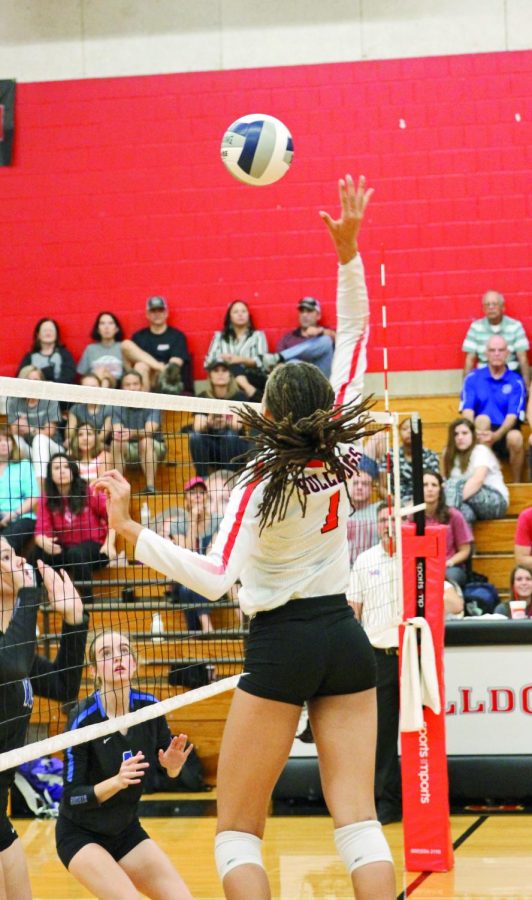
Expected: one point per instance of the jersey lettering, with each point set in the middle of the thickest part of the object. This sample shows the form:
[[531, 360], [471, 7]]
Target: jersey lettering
[[331, 522]]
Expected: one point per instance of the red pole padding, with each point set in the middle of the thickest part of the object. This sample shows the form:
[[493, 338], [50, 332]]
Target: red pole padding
[[427, 829]]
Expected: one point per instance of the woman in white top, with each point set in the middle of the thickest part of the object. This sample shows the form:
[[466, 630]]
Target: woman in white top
[[242, 347], [284, 535], [474, 482]]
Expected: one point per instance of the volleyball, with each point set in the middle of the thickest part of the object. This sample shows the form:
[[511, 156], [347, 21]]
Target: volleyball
[[257, 149]]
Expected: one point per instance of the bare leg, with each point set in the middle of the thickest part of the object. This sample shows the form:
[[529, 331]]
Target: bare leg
[[345, 731], [118, 455], [15, 881], [96, 870], [133, 355], [247, 773], [145, 372], [148, 459], [153, 874], [516, 449], [206, 622]]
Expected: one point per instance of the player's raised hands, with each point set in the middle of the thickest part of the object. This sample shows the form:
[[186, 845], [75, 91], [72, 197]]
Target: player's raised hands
[[132, 771], [175, 756], [62, 594], [353, 203]]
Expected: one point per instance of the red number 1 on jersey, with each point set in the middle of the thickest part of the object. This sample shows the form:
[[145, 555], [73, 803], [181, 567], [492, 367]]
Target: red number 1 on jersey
[[331, 522]]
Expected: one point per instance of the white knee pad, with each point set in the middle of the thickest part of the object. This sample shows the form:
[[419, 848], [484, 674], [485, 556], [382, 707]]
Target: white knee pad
[[362, 843], [236, 848]]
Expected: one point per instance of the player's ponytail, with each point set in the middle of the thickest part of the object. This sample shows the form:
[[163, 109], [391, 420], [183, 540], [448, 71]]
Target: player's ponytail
[[304, 425]]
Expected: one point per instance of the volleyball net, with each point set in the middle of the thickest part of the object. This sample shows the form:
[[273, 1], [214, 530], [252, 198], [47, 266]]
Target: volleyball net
[[179, 454]]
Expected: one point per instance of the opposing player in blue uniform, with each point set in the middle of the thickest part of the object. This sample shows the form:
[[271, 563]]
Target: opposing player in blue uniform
[[99, 837]]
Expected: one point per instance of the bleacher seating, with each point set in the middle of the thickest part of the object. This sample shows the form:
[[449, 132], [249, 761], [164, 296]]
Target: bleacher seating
[[204, 721]]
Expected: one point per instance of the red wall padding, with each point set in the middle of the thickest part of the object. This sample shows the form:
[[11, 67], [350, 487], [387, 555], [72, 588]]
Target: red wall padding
[[117, 192]]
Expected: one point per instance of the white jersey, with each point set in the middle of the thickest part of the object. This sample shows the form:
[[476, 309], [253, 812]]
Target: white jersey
[[300, 556]]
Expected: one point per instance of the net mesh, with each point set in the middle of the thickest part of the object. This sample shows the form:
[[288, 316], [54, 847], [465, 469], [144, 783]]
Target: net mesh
[[178, 454]]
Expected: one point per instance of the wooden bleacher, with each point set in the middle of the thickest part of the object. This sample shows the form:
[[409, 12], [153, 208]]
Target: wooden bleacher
[[204, 721]]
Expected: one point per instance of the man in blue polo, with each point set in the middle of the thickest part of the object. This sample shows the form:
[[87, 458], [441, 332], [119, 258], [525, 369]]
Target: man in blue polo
[[494, 398]]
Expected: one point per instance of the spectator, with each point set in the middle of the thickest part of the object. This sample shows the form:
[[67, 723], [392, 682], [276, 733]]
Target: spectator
[[216, 439], [430, 462], [474, 483], [71, 531], [372, 593], [110, 354], [494, 399], [496, 323], [523, 538], [97, 415], [362, 531], [87, 450], [163, 343], [34, 425], [137, 436], [310, 342], [459, 537], [520, 590], [18, 494], [49, 354], [243, 348], [219, 490], [192, 528]]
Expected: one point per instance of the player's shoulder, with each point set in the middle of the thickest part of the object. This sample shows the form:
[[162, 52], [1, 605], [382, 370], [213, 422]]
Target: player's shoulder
[[138, 699], [86, 711]]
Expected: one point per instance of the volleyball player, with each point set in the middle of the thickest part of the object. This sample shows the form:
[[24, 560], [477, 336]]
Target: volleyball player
[[284, 535], [23, 673], [99, 837]]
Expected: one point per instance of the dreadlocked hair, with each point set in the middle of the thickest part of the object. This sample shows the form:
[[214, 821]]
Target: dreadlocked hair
[[306, 425]]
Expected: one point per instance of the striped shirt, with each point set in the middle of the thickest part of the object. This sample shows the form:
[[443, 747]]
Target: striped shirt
[[481, 330], [253, 346], [374, 584], [300, 556]]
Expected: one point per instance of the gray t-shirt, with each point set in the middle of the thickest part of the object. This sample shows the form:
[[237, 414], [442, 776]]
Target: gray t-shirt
[[95, 418], [38, 416], [135, 419], [96, 355]]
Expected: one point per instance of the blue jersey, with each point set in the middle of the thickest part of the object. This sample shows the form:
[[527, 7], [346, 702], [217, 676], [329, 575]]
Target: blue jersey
[[494, 397]]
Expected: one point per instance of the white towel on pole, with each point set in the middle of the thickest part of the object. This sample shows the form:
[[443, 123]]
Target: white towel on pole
[[419, 677]]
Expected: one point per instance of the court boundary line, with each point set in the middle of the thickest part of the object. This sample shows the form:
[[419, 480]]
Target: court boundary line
[[423, 876]]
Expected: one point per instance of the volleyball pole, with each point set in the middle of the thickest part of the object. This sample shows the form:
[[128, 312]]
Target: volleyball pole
[[426, 822]]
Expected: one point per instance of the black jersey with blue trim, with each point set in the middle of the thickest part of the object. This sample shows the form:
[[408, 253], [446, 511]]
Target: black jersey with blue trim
[[88, 764], [24, 673]]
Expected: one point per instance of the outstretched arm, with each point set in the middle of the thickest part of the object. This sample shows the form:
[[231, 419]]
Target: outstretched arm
[[352, 305]]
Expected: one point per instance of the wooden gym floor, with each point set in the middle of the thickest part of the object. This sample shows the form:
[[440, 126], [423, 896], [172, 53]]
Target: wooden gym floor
[[493, 857]]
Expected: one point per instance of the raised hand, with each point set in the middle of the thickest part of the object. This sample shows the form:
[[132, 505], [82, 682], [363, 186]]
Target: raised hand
[[62, 594], [175, 756], [118, 491], [131, 771], [353, 203]]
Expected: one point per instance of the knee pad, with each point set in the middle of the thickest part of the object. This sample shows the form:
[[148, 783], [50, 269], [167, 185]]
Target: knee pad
[[236, 848], [362, 843]]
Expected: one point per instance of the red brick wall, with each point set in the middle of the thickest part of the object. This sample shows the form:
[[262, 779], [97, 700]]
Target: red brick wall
[[117, 192]]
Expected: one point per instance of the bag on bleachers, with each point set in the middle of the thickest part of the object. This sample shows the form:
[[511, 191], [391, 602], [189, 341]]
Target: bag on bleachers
[[480, 597], [40, 785]]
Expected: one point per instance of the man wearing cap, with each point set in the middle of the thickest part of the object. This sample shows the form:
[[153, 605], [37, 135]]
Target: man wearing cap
[[310, 342], [165, 343]]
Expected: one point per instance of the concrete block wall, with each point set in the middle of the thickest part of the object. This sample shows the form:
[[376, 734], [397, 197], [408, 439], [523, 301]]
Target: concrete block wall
[[117, 192]]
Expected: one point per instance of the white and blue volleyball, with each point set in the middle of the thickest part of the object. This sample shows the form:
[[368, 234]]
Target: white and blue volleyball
[[257, 149]]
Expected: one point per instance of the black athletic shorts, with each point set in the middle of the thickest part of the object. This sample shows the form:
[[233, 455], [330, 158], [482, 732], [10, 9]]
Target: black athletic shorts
[[7, 832], [71, 837], [313, 647]]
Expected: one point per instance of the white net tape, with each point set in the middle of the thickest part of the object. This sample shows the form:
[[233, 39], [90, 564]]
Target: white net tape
[[59, 742]]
